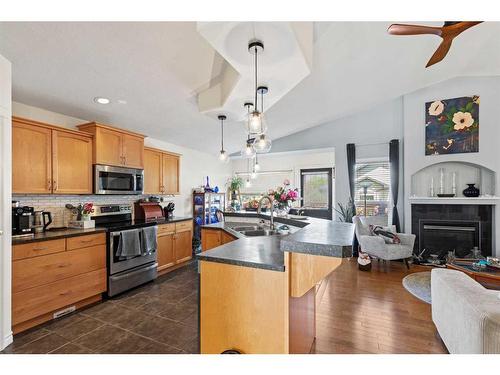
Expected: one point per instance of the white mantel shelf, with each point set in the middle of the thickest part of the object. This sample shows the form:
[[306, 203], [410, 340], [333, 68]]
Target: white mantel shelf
[[455, 200]]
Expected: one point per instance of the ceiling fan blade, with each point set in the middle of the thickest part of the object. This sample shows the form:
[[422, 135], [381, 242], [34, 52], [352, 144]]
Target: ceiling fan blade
[[399, 29], [441, 52], [462, 26]]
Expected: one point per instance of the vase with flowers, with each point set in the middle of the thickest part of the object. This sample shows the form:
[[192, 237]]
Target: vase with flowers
[[283, 196]]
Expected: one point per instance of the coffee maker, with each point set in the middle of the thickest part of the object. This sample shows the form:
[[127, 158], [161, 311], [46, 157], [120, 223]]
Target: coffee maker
[[23, 221]]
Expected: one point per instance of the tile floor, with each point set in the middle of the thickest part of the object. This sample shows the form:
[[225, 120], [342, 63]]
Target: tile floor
[[157, 318]]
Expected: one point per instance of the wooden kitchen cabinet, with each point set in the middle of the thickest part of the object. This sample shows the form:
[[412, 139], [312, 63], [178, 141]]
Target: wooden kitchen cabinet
[[210, 238], [71, 163], [170, 173], [50, 276], [226, 237], [49, 159], [152, 171], [174, 244], [166, 255], [161, 172], [183, 246], [117, 147], [31, 158]]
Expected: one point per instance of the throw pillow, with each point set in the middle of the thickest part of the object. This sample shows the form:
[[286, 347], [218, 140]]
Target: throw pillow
[[388, 236]]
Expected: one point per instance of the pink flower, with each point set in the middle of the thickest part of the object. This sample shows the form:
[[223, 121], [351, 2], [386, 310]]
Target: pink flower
[[283, 197]]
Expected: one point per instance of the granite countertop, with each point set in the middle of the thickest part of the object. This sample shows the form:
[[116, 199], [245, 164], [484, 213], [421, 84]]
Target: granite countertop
[[315, 236], [56, 234]]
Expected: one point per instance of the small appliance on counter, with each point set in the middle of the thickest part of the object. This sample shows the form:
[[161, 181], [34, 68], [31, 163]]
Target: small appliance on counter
[[42, 219], [169, 210], [22, 220], [147, 211]]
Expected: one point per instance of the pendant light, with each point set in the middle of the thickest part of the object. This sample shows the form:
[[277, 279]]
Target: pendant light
[[253, 175], [262, 143], [247, 181], [256, 165], [255, 124], [248, 151], [223, 157]]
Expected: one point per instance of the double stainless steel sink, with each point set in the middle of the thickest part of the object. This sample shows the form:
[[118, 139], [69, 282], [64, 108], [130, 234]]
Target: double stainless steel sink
[[255, 230]]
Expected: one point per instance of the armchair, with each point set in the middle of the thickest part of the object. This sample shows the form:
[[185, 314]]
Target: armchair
[[376, 246]]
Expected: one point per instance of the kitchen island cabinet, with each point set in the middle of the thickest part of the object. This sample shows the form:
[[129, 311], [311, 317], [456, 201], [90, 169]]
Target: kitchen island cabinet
[[258, 294]]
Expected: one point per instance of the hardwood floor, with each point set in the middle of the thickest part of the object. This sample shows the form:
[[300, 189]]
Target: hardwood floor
[[371, 312]]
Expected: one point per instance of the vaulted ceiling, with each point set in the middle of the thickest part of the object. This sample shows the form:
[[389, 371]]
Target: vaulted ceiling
[[160, 68]]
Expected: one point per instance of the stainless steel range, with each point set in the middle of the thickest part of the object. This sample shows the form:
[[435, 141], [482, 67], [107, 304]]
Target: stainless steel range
[[131, 247]]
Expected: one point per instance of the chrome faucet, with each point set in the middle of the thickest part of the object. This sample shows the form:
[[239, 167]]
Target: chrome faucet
[[272, 208]]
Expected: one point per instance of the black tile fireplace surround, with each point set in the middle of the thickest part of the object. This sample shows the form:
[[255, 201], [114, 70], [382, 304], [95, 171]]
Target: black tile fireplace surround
[[443, 227]]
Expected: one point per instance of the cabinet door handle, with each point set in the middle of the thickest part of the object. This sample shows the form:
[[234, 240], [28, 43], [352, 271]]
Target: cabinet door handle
[[55, 185], [62, 294], [49, 185], [86, 241], [39, 248]]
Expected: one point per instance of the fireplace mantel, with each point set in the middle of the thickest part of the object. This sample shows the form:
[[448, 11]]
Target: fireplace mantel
[[490, 200]]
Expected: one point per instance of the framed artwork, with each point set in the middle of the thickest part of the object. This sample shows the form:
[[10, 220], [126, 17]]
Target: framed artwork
[[452, 126]]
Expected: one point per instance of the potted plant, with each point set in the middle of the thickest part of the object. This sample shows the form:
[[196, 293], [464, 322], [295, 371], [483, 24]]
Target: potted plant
[[345, 212], [234, 185]]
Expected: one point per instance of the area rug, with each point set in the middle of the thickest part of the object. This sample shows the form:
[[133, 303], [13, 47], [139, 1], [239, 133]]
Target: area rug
[[419, 284]]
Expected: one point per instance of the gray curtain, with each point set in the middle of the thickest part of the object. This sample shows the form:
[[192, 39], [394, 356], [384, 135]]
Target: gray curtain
[[351, 170], [394, 161]]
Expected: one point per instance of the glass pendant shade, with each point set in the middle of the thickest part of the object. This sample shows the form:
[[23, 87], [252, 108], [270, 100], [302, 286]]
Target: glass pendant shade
[[253, 175], [223, 156], [256, 123], [262, 144], [256, 166], [248, 151], [248, 183]]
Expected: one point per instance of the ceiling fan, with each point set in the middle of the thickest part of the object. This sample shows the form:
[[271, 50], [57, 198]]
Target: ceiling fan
[[448, 32]]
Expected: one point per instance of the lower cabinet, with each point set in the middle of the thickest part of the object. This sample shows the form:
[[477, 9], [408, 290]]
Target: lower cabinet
[[51, 276], [174, 244], [211, 238]]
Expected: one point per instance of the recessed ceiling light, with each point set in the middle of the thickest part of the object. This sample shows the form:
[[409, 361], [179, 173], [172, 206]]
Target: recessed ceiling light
[[101, 100]]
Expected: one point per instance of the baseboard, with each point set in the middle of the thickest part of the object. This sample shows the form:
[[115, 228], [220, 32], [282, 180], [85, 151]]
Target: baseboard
[[6, 341]]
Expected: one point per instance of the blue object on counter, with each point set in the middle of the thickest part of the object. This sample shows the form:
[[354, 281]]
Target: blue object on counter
[[216, 189]]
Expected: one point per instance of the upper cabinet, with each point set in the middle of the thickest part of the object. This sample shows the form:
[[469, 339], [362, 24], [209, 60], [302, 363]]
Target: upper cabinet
[[47, 159], [161, 172], [116, 147]]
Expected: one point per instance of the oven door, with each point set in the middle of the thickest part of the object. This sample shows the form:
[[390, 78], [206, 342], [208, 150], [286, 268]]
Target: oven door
[[117, 180], [119, 264]]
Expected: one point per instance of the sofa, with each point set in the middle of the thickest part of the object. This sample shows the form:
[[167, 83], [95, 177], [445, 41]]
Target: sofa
[[466, 315]]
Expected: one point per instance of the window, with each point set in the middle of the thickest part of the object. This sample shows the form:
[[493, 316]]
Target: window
[[316, 192], [372, 185]]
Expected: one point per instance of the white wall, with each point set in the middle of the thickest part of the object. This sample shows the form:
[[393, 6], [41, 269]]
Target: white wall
[[370, 130], [292, 162], [194, 166], [488, 88], [5, 207]]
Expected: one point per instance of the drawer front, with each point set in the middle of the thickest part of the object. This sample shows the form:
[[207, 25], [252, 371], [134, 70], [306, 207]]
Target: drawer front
[[33, 272], [85, 241], [35, 249], [34, 302], [166, 228], [183, 225]]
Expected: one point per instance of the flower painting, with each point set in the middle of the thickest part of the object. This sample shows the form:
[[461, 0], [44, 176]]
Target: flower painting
[[452, 126]]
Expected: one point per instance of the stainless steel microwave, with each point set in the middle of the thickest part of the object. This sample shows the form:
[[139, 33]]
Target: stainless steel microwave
[[118, 180]]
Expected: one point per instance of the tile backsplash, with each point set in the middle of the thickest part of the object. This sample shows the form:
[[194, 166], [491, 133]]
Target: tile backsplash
[[61, 215]]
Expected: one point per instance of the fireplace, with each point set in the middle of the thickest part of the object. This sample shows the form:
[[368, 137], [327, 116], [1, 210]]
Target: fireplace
[[444, 227]]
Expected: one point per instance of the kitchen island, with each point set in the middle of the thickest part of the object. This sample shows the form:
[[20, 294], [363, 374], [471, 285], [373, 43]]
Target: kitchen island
[[258, 294]]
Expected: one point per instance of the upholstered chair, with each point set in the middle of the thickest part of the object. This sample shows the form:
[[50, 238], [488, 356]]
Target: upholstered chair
[[375, 246]]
